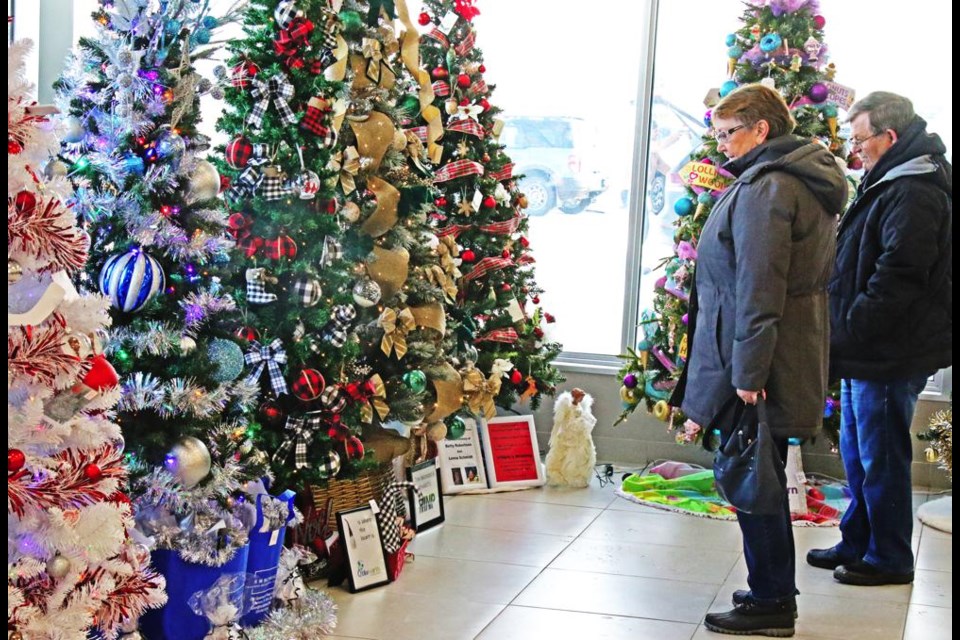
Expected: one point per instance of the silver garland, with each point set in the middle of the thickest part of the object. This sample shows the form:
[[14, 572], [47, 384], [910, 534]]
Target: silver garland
[[314, 616]]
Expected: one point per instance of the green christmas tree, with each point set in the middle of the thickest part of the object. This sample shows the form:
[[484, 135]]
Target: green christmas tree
[[481, 224], [781, 45]]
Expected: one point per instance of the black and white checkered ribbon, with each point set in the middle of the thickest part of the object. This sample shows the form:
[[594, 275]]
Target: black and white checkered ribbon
[[278, 89], [275, 188], [334, 399], [335, 332], [307, 291], [245, 186], [256, 291], [261, 154], [271, 356], [330, 27], [301, 433], [390, 530], [332, 250]]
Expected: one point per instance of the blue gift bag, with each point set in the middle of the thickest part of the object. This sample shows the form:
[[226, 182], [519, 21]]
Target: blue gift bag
[[263, 562], [176, 620]]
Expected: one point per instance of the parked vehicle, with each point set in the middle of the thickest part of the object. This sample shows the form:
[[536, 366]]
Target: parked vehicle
[[554, 155]]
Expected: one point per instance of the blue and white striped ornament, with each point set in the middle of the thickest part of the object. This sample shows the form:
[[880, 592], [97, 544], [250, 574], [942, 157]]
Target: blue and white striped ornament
[[130, 279]]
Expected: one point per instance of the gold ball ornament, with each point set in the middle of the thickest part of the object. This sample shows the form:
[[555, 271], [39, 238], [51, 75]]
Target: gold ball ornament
[[187, 344], [661, 410], [204, 183], [58, 566], [15, 635], [930, 454], [350, 212], [522, 201], [628, 395], [14, 271], [451, 106], [189, 461], [436, 431]]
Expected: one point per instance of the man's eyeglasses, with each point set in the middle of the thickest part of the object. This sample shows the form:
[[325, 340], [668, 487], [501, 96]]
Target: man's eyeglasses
[[857, 144], [723, 136]]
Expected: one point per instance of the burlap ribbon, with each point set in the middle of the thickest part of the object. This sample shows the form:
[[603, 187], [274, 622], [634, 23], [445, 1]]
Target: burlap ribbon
[[373, 396], [448, 250], [347, 164], [389, 269], [385, 215], [436, 275], [410, 54], [395, 327], [449, 388], [337, 71], [479, 392], [431, 316], [374, 136]]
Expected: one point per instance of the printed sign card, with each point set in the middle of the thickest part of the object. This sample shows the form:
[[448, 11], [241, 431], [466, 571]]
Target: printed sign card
[[511, 451], [365, 555], [461, 461], [426, 508]]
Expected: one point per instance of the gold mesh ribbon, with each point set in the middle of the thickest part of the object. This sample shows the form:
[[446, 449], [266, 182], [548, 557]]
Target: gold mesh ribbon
[[410, 54], [480, 392], [377, 400], [395, 327], [347, 163], [448, 250], [431, 316], [385, 215], [374, 136], [436, 275], [389, 269], [449, 387]]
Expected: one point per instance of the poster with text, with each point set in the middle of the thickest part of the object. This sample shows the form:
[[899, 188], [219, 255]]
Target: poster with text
[[427, 505], [461, 461], [365, 555], [512, 452]]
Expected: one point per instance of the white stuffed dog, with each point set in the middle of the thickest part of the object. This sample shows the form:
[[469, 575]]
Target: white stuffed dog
[[572, 457]]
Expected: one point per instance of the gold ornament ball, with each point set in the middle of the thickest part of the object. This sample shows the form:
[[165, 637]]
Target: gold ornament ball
[[56, 169], [204, 183], [14, 271], [522, 202], [399, 140], [15, 635], [661, 410], [350, 212], [451, 106], [58, 566], [628, 395], [187, 344], [189, 461], [930, 454]]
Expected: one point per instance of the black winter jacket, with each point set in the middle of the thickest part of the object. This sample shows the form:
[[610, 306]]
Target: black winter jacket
[[891, 310]]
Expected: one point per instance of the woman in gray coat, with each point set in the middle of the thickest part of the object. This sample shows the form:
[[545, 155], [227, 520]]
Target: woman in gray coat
[[760, 322]]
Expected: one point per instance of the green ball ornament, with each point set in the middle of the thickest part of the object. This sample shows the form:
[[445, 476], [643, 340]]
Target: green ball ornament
[[410, 104], [228, 357], [352, 22], [456, 428], [415, 380]]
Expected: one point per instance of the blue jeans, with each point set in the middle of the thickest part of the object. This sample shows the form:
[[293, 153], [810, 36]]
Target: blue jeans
[[877, 452], [768, 549]]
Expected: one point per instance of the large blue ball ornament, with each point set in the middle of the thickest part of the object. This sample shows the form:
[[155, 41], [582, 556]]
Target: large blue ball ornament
[[130, 279], [683, 207], [731, 39], [727, 87]]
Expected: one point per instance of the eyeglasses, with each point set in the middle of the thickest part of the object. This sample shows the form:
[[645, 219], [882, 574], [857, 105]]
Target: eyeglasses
[[858, 144], [722, 136]]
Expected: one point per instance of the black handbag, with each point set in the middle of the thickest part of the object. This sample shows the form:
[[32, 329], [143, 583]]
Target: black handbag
[[747, 468]]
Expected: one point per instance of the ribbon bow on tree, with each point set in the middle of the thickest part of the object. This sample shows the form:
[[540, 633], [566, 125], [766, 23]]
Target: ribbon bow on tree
[[395, 327], [347, 163], [373, 52], [246, 185], [335, 331], [448, 252], [271, 356], [292, 40], [436, 275], [480, 392], [301, 433], [276, 88], [370, 395]]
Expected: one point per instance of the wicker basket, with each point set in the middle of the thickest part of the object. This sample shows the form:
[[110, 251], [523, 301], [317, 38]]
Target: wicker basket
[[352, 493]]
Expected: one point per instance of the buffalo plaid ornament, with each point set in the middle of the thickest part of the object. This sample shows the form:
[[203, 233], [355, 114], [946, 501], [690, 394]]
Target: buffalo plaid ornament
[[256, 289], [333, 399], [274, 185], [309, 385], [285, 12], [243, 73], [282, 246], [335, 331], [239, 152], [306, 291]]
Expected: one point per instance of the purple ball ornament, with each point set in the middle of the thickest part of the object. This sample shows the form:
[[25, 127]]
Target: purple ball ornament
[[630, 381], [685, 319], [818, 92]]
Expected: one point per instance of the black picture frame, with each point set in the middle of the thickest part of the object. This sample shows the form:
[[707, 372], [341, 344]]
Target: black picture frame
[[426, 509], [363, 544]]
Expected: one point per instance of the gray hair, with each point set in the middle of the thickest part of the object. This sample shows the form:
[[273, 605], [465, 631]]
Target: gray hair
[[885, 110]]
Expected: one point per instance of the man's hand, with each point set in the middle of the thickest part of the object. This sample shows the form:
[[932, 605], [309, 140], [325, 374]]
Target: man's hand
[[750, 397]]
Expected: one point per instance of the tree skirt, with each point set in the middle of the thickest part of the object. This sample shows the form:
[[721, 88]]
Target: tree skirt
[[696, 494], [937, 514]]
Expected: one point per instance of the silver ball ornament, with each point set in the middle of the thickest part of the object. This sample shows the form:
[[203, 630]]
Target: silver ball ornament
[[14, 271], [366, 293], [330, 467], [204, 182], [187, 344], [228, 356], [189, 461], [216, 93], [124, 81], [58, 566], [56, 169], [74, 130]]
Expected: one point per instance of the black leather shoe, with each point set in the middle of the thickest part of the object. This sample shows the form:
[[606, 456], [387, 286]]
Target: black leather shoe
[[866, 575], [744, 595], [753, 619], [826, 558]]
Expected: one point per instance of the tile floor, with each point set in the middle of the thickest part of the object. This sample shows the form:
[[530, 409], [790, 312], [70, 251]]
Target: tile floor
[[551, 564]]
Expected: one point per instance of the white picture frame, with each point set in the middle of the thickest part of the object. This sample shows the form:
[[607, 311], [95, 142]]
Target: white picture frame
[[366, 558], [511, 452], [425, 508], [461, 461]]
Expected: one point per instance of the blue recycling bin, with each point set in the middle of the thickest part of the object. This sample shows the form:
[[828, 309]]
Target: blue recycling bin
[[263, 562]]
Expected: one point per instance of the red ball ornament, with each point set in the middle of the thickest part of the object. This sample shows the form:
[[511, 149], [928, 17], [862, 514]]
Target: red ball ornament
[[505, 286], [424, 19], [241, 74], [468, 255], [535, 299], [489, 202], [505, 253], [247, 333], [440, 202], [819, 22], [309, 385], [338, 432], [239, 152], [483, 103], [92, 472], [524, 242], [354, 448], [271, 414], [15, 460], [463, 81], [439, 73], [464, 103], [102, 375], [482, 69], [13, 147], [25, 201], [516, 377]]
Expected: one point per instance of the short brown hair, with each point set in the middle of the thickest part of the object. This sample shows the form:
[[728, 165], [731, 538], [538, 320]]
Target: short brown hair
[[752, 103]]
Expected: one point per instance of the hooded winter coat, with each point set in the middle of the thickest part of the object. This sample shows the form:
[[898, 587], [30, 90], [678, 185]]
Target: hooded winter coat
[[759, 319], [891, 301]]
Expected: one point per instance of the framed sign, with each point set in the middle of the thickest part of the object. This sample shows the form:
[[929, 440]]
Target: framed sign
[[461, 461], [425, 509], [511, 451], [365, 555]]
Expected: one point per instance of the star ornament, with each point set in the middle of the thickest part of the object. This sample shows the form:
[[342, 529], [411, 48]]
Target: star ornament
[[463, 148], [465, 207]]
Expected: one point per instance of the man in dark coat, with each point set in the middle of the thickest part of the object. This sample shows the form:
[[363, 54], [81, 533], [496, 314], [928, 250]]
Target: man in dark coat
[[759, 320], [891, 316]]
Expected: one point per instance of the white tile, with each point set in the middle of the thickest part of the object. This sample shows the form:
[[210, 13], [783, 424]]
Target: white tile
[[489, 582], [647, 560], [936, 554], [928, 623], [670, 600], [591, 496], [669, 529], [526, 623], [489, 545], [932, 588], [510, 515]]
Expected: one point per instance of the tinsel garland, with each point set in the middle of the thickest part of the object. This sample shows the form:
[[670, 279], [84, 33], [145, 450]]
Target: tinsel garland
[[940, 436], [183, 397], [313, 616]]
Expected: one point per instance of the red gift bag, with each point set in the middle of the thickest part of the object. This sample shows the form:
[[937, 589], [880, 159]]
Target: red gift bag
[[396, 560]]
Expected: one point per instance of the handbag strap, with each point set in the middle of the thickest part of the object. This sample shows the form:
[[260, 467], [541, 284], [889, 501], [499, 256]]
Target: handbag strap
[[725, 421]]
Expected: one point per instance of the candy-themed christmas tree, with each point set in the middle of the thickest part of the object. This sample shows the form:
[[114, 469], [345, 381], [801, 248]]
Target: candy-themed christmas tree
[[72, 568], [780, 44]]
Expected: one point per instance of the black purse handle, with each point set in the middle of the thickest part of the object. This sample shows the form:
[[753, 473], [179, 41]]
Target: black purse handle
[[738, 407]]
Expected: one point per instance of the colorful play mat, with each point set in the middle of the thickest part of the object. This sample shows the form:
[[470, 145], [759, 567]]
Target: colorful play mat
[[693, 492]]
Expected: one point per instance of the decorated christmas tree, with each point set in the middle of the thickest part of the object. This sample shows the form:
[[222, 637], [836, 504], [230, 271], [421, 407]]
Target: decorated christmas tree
[[72, 568], [779, 44], [481, 223], [149, 201]]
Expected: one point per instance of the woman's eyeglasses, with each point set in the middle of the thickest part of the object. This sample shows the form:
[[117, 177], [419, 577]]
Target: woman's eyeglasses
[[723, 136]]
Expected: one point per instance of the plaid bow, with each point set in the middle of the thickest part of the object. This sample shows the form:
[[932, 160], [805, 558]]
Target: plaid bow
[[395, 327], [335, 331], [331, 27], [371, 395], [347, 163], [246, 185], [387, 516], [302, 430], [331, 251], [293, 38], [278, 89], [256, 291], [272, 356]]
